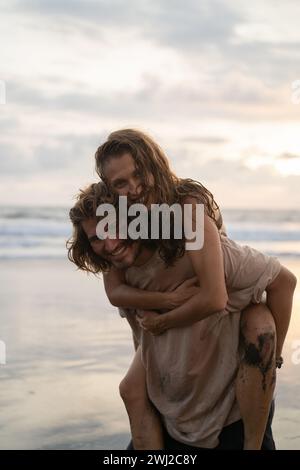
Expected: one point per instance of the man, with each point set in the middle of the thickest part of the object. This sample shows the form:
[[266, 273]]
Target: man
[[190, 371]]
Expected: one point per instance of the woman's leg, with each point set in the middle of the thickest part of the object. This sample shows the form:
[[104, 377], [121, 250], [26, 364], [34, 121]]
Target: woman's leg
[[145, 423], [257, 373]]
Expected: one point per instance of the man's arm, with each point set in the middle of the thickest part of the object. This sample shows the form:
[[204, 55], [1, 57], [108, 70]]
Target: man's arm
[[280, 301]]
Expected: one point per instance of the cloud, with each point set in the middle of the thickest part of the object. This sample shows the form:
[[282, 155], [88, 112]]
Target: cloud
[[288, 156], [8, 124], [209, 140], [171, 22], [209, 78], [247, 100], [92, 10], [235, 185], [12, 161], [73, 153], [193, 25], [219, 34], [223, 73], [67, 152]]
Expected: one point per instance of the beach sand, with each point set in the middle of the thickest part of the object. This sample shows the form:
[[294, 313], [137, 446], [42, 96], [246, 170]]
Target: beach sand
[[67, 350]]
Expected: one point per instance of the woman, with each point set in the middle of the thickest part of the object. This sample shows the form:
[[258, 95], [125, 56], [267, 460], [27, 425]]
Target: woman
[[133, 165]]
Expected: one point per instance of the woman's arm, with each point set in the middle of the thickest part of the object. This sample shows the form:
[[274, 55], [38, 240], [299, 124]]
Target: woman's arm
[[121, 294], [212, 295]]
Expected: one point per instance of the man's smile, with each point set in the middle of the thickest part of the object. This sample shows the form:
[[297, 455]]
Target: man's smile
[[120, 250]]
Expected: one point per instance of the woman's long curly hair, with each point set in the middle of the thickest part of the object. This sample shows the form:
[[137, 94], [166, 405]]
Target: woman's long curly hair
[[150, 159], [79, 249]]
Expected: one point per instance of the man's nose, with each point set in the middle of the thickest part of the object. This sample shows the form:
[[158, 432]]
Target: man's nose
[[111, 244]]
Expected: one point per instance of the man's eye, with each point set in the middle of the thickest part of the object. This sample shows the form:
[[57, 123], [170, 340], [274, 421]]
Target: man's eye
[[96, 242]]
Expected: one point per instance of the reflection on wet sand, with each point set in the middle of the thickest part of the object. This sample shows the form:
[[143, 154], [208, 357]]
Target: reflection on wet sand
[[67, 351]]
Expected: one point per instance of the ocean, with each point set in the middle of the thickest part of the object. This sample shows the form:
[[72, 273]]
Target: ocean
[[41, 232]]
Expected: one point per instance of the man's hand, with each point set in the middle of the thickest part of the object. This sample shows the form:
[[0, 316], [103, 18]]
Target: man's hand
[[152, 322]]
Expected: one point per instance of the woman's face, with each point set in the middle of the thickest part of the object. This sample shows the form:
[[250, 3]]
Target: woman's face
[[125, 179]]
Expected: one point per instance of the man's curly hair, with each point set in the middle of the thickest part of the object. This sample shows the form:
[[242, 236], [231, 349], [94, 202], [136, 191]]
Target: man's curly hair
[[79, 249]]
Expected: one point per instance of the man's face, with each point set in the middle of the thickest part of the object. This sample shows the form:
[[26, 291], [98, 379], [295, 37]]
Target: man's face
[[125, 179], [120, 253]]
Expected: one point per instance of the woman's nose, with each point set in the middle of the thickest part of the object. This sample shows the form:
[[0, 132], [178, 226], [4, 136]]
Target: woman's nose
[[135, 189]]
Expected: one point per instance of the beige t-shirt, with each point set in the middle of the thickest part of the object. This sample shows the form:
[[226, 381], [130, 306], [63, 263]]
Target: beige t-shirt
[[191, 371]]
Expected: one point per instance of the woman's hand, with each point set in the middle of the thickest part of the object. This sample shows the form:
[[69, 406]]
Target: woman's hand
[[152, 322], [184, 292]]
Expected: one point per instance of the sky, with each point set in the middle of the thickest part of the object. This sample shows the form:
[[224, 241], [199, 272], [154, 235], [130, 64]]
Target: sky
[[216, 83]]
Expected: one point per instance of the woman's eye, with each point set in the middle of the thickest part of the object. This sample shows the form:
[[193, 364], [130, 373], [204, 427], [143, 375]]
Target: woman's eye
[[120, 184]]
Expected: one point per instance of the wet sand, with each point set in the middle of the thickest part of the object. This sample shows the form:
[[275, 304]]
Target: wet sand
[[68, 349]]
